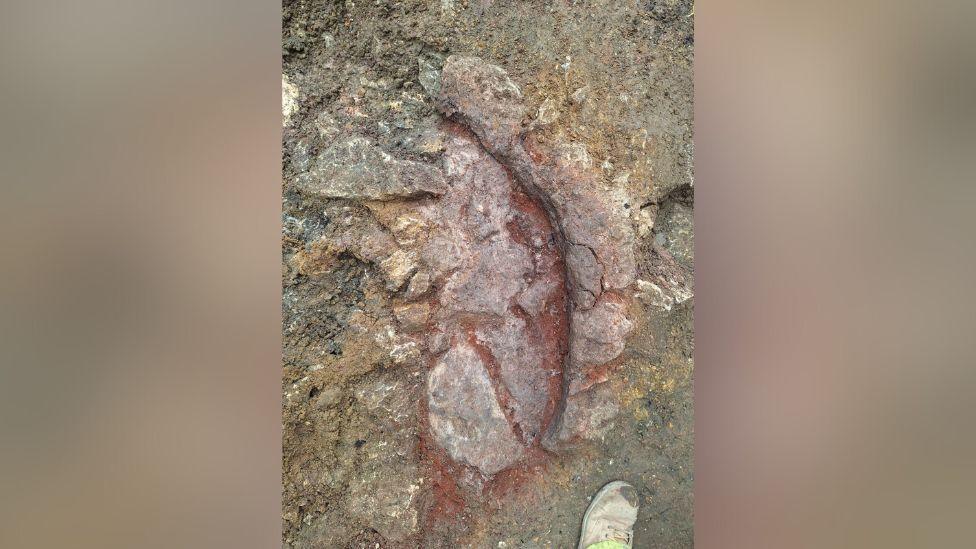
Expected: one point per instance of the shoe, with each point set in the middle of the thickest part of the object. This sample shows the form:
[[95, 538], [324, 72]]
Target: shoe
[[611, 516]]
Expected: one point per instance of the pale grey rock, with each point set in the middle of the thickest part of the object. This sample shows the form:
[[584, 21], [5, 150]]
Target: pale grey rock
[[484, 98], [289, 100], [495, 275], [587, 275], [465, 417], [438, 341], [398, 267], [599, 333], [598, 336], [519, 357], [547, 114], [419, 285], [533, 298], [664, 295], [389, 400], [429, 73], [677, 233], [358, 169], [401, 349]]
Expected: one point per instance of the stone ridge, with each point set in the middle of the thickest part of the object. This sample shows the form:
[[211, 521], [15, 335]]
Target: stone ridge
[[595, 240], [499, 315]]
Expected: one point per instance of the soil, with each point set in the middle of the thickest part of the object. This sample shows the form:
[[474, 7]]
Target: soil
[[360, 466]]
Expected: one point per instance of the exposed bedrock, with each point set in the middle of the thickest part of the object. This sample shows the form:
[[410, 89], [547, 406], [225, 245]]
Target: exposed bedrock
[[500, 314], [597, 241], [534, 259], [509, 270]]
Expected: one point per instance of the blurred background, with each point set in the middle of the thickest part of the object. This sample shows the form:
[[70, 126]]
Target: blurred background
[[835, 261], [140, 286], [139, 221]]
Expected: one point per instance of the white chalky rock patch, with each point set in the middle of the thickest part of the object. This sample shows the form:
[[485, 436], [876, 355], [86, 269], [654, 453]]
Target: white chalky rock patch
[[289, 100]]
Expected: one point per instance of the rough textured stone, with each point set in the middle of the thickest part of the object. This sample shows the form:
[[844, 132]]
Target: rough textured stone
[[289, 100], [388, 400], [465, 416], [597, 238], [588, 415], [358, 169], [522, 372], [617, 129], [677, 228], [527, 257], [588, 275], [503, 292], [597, 338], [498, 251], [534, 298], [598, 332], [419, 285], [409, 229], [412, 317], [398, 267], [483, 97], [401, 349], [385, 492], [492, 276], [664, 295], [389, 506], [429, 74], [361, 236]]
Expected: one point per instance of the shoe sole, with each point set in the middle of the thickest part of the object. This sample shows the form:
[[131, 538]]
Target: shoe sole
[[586, 516]]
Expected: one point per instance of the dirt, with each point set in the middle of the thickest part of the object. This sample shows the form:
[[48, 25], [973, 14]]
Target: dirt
[[361, 468]]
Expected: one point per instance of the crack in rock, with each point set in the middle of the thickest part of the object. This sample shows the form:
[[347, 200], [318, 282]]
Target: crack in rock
[[537, 259], [464, 414], [492, 251]]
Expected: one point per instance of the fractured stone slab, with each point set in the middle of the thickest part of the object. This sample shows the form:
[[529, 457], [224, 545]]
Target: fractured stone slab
[[465, 417]]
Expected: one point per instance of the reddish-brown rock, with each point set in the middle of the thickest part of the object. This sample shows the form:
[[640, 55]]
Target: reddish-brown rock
[[598, 241], [493, 250], [595, 253]]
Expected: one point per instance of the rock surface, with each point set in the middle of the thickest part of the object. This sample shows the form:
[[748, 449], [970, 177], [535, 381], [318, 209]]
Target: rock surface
[[562, 126], [598, 338], [465, 415], [594, 239], [495, 249], [289, 100], [358, 169], [598, 238], [588, 415]]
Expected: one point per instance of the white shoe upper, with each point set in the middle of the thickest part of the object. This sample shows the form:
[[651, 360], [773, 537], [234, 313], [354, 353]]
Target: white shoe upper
[[611, 515]]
